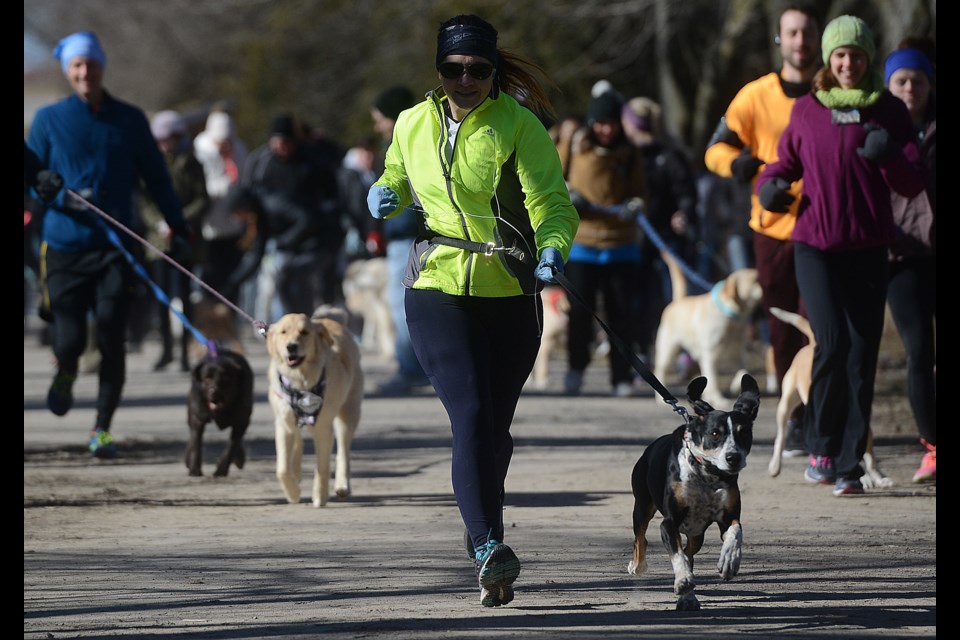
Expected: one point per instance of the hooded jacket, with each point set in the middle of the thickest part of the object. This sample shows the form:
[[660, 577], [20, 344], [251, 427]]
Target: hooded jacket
[[846, 198], [503, 186]]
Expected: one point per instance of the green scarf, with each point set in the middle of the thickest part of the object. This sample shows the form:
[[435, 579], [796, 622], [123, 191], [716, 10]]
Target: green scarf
[[869, 91]]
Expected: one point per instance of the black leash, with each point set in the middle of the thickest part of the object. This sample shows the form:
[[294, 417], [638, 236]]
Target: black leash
[[626, 351]]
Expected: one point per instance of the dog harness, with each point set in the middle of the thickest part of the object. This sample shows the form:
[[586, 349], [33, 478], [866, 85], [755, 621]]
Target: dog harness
[[305, 404]]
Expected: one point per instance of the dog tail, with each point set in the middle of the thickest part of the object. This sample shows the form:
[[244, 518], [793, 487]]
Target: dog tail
[[678, 281], [797, 320], [331, 312]]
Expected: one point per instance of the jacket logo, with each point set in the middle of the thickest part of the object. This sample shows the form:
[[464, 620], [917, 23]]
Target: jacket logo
[[488, 132]]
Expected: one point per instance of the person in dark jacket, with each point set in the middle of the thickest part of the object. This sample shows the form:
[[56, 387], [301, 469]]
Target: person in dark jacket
[[102, 147], [293, 194], [852, 142]]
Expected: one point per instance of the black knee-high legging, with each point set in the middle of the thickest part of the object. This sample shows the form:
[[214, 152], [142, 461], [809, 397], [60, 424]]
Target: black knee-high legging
[[912, 295], [478, 353], [844, 294]]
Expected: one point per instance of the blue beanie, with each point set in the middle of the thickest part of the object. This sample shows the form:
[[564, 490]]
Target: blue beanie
[[907, 59], [82, 43]]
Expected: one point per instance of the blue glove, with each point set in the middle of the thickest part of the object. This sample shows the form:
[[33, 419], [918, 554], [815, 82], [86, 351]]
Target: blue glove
[[382, 201], [550, 262]]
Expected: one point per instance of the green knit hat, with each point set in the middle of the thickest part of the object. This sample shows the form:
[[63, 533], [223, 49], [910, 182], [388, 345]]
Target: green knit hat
[[847, 31]]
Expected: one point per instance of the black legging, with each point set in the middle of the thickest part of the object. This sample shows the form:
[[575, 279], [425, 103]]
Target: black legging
[[912, 295], [478, 353], [616, 283], [844, 294]]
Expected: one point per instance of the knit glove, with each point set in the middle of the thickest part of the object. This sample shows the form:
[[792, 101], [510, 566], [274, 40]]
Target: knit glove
[[745, 166], [382, 201], [551, 262], [775, 195], [877, 146], [48, 185]]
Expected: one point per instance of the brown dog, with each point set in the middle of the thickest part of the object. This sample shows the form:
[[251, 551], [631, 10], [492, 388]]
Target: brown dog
[[221, 391], [711, 327], [556, 309], [795, 390], [316, 382]]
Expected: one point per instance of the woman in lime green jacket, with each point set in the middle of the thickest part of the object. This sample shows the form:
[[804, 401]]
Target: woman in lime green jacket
[[495, 217]]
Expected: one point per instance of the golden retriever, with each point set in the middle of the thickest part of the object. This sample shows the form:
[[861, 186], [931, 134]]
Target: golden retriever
[[711, 328], [315, 381], [796, 390], [556, 309]]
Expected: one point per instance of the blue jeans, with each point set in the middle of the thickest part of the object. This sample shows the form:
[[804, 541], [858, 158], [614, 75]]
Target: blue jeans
[[397, 253]]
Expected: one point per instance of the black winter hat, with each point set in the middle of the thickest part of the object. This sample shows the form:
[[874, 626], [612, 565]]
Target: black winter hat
[[606, 106], [394, 100]]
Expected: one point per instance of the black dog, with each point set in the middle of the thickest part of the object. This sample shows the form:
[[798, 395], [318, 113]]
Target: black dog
[[221, 391], [690, 477]]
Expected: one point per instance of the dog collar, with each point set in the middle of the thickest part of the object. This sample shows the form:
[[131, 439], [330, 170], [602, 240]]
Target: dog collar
[[305, 404], [725, 309]]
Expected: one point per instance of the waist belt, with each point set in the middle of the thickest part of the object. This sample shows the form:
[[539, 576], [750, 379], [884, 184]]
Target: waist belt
[[486, 248]]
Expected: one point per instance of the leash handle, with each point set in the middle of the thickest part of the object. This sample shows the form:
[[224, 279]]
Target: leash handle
[[625, 350]]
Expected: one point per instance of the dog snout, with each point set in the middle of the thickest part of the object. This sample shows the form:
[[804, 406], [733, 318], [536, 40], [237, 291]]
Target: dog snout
[[293, 348], [734, 459]]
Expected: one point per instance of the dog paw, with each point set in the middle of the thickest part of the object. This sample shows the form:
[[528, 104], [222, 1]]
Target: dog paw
[[774, 468], [729, 563], [195, 473], [684, 585], [319, 502], [221, 472], [343, 492], [688, 602], [636, 569], [876, 480]]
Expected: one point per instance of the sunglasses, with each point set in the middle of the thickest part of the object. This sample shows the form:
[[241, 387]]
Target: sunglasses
[[454, 70]]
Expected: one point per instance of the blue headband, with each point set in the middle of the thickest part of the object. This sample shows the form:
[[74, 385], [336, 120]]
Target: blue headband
[[82, 43], [907, 59]]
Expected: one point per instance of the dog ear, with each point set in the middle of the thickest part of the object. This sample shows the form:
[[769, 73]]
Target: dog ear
[[748, 402], [694, 393], [323, 333]]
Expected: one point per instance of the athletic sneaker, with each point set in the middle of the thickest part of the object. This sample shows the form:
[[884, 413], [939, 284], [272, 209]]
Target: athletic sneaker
[[821, 471], [848, 487], [928, 465], [796, 445], [497, 569], [101, 444], [60, 396]]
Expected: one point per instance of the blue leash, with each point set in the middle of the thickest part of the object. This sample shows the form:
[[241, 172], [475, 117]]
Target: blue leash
[[659, 243]]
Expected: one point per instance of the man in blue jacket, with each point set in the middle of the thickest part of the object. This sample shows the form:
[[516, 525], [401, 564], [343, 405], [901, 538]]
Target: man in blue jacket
[[102, 147]]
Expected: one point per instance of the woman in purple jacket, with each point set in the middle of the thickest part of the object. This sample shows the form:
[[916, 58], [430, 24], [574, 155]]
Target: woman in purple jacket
[[852, 142]]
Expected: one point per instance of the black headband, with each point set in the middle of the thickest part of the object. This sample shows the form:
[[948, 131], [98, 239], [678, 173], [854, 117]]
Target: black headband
[[467, 40]]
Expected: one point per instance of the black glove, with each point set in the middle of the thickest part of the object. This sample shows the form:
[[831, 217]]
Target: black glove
[[48, 185], [877, 146], [745, 166], [775, 196]]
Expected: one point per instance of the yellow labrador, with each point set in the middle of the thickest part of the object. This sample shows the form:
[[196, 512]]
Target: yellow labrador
[[711, 327], [316, 383]]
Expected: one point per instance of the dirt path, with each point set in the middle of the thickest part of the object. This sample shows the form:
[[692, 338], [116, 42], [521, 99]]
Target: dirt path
[[134, 548]]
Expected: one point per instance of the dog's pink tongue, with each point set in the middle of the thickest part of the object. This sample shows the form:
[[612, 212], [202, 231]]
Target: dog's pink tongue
[[214, 406]]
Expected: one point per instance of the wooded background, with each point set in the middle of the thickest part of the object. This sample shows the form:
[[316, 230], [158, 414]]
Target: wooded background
[[327, 60]]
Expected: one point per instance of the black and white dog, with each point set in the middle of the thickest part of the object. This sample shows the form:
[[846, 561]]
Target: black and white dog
[[690, 477]]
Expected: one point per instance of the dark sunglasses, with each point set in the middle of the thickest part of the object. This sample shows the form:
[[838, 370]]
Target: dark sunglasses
[[454, 70]]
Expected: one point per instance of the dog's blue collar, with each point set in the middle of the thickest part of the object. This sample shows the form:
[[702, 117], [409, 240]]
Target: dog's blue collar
[[725, 309]]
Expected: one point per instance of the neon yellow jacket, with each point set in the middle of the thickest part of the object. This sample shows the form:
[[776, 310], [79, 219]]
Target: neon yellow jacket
[[504, 186]]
